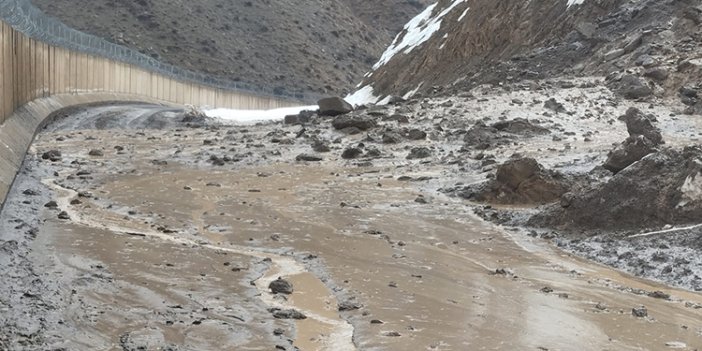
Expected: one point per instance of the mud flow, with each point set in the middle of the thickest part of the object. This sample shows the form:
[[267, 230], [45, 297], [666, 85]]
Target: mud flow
[[137, 240]]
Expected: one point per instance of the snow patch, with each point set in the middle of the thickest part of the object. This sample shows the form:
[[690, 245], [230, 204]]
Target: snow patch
[[412, 92], [575, 2], [363, 96], [416, 31], [255, 116], [463, 14], [691, 190]]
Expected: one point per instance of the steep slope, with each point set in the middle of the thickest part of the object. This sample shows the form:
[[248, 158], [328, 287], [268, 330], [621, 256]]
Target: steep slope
[[467, 42], [291, 45]]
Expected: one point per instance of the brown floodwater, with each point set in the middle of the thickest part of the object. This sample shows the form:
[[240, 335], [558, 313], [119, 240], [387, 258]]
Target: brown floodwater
[[424, 271]]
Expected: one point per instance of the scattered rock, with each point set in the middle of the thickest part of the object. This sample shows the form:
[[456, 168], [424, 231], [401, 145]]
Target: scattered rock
[[64, 216], [416, 134], [639, 312], [520, 126], [391, 138], [52, 155], [96, 153], [659, 295], [349, 306], [555, 106], [281, 286], [419, 153], [287, 314], [308, 158], [351, 153], [354, 121]]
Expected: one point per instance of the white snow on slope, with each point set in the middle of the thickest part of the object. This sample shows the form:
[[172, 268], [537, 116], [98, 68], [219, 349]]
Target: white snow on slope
[[255, 116], [575, 2], [416, 31], [363, 96]]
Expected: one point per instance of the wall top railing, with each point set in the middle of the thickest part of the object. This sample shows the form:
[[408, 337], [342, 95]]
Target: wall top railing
[[29, 20]]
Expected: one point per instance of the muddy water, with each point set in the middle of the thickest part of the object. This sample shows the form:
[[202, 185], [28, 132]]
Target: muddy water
[[181, 254], [423, 271]]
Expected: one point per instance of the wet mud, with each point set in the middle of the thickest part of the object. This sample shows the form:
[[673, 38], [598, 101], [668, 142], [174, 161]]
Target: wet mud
[[152, 245]]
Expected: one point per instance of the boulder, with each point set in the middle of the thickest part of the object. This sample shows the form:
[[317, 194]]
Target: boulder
[[354, 121], [554, 106], [514, 172], [281, 286], [627, 153], [663, 188], [416, 134], [351, 153], [334, 106], [632, 87], [519, 181], [391, 138], [637, 123], [419, 153]]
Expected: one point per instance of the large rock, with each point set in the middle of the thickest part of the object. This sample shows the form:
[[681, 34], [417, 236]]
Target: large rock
[[662, 188], [643, 139], [519, 181], [334, 106], [632, 87], [639, 124], [627, 153], [512, 173], [354, 121], [481, 136]]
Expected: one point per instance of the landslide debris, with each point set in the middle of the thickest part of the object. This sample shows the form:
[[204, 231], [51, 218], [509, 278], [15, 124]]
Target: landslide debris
[[663, 188], [519, 181], [643, 140]]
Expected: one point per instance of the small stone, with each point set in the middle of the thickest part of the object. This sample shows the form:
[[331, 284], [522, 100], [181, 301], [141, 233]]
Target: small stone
[[64, 215], [52, 155], [659, 295], [419, 153], [287, 314], [96, 153], [349, 306], [639, 312], [307, 158], [351, 153]]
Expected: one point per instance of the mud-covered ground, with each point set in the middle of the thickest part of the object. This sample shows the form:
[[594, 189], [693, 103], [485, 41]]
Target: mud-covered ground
[[168, 238]]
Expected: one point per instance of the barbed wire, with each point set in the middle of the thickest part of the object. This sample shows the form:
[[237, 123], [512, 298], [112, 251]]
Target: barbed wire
[[24, 17]]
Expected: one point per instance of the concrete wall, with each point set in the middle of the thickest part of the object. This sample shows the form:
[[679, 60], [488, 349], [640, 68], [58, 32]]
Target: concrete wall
[[37, 79], [30, 69]]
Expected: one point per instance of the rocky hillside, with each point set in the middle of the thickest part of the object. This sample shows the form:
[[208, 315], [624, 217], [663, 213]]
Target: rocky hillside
[[462, 43], [290, 45]]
